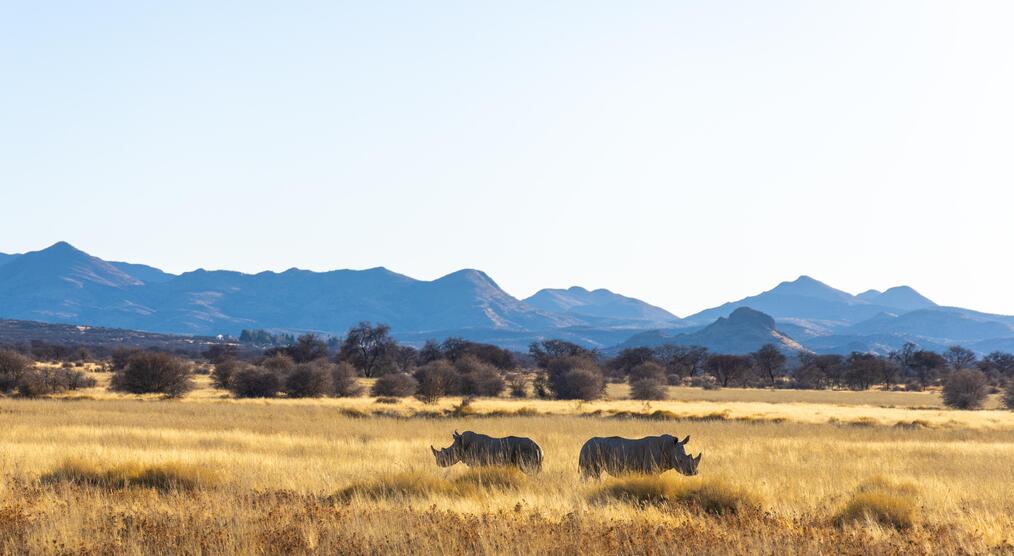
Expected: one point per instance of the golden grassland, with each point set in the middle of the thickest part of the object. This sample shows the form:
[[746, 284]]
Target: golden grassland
[[783, 471]]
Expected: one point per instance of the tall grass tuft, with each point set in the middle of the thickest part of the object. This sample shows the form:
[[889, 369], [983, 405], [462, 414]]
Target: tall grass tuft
[[161, 477], [491, 478], [406, 484], [475, 481], [712, 496], [882, 501]]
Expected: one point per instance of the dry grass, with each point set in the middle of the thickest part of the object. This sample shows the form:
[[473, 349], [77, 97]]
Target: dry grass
[[712, 496], [882, 501], [354, 476], [162, 477], [426, 484]]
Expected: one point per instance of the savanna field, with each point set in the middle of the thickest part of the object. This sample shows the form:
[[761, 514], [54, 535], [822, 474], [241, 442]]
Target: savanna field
[[784, 471]]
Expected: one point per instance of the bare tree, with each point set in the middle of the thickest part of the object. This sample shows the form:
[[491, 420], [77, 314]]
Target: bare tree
[[769, 362], [728, 368], [367, 347], [960, 358]]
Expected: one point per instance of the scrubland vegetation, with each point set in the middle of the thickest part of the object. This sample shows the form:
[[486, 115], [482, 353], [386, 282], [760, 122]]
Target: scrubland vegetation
[[312, 447]]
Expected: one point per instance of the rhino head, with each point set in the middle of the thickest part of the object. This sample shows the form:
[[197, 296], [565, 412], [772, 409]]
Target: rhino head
[[447, 457], [684, 463]]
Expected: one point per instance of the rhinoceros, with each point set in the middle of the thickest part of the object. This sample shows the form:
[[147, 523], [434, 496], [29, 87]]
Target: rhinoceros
[[650, 455], [474, 449]]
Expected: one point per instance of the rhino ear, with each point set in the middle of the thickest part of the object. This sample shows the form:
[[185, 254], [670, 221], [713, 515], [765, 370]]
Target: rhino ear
[[698, 458], [685, 440], [456, 435], [434, 450]]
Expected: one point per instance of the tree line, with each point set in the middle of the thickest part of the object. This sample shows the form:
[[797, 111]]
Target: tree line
[[310, 366]]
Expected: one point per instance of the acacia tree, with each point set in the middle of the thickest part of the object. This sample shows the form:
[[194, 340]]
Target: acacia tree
[[367, 347], [728, 368], [769, 362], [959, 358], [682, 361]]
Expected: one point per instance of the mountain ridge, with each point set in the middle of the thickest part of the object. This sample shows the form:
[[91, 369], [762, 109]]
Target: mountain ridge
[[63, 284]]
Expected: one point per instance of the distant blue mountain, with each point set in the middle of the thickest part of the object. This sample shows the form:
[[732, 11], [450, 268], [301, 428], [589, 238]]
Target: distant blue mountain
[[601, 304], [898, 297], [62, 284], [743, 331]]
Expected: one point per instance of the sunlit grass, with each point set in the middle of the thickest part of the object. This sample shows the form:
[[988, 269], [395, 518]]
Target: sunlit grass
[[325, 464]]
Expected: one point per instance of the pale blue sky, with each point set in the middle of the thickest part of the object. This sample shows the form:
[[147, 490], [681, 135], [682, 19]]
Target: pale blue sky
[[684, 153]]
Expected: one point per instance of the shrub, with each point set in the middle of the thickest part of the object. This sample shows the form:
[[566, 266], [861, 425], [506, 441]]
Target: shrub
[[583, 384], [148, 372], [310, 380], [648, 389], [883, 501], [436, 379], [279, 364], [576, 377], [345, 380], [482, 381], [713, 496], [44, 381], [518, 385], [163, 477], [254, 382], [395, 385], [1008, 395], [121, 355], [648, 370], [965, 389], [12, 366], [223, 370]]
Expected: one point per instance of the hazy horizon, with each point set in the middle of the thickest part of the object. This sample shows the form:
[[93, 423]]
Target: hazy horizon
[[494, 278], [682, 154]]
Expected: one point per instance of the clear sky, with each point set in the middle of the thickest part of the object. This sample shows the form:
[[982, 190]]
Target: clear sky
[[686, 153]]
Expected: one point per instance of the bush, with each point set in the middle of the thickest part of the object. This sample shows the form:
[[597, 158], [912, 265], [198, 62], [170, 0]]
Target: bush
[[279, 364], [394, 385], [647, 371], [254, 382], [965, 389], [575, 378], [518, 385], [12, 366], [148, 372], [583, 384], [483, 381], [43, 381], [310, 380], [1008, 395], [223, 370], [648, 389], [883, 501], [121, 355], [345, 380], [436, 379]]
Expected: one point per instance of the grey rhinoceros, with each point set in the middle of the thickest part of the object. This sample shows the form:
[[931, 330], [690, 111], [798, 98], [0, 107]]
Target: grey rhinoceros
[[650, 455], [474, 449]]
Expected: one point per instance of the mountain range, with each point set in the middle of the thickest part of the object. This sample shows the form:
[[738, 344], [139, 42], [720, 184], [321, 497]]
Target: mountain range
[[62, 284]]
